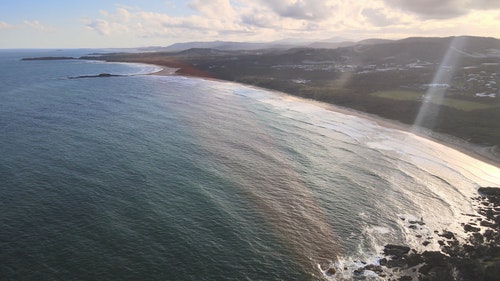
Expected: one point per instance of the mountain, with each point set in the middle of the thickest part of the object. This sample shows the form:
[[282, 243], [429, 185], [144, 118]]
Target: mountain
[[426, 49], [423, 46], [227, 46], [471, 50], [330, 45], [336, 39], [374, 41]]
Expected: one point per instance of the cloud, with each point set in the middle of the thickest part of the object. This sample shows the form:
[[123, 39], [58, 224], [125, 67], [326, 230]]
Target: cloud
[[271, 18], [38, 26], [485, 4], [443, 9], [4, 25], [267, 20], [259, 19], [119, 22], [378, 18], [105, 27], [213, 9], [123, 14], [314, 10], [211, 18], [101, 26]]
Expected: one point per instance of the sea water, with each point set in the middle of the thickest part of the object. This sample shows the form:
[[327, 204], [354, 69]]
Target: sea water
[[142, 177]]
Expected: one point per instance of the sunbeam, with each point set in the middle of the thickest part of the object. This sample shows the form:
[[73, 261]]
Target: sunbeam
[[436, 90]]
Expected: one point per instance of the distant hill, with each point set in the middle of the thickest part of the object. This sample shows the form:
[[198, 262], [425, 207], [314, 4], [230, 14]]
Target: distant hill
[[374, 41], [423, 47], [332, 43], [202, 52], [426, 49], [226, 46], [335, 45], [469, 49]]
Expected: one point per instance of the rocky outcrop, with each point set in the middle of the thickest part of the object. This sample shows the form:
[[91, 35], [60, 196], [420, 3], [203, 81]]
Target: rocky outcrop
[[476, 259], [102, 75], [50, 58]]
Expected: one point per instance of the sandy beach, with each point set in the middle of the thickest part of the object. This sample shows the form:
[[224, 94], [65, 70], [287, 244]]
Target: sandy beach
[[165, 71], [484, 154]]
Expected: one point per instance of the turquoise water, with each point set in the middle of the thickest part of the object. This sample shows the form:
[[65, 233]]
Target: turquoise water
[[171, 178]]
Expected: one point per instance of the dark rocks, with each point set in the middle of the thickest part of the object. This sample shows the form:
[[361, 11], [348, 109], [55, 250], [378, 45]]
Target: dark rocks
[[102, 75], [434, 257], [487, 224], [414, 260], [476, 238], [331, 271], [476, 258], [488, 234], [420, 222], [105, 75], [470, 228], [492, 193], [50, 58], [375, 268], [492, 272], [489, 191], [396, 250], [447, 234], [359, 271], [371, 267]]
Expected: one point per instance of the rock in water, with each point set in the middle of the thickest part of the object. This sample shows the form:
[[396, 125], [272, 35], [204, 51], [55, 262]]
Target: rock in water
[[493, 194], [331, 271], [396, 250]]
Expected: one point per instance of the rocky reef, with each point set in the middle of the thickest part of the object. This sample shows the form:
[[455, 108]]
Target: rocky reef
[[476, 258], [50, 58], [102, 75]]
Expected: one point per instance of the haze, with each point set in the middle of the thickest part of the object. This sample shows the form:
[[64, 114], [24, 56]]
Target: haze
[[129, 23]]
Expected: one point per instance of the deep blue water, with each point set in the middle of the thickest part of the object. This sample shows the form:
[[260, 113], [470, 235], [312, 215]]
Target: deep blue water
[[171, 178]]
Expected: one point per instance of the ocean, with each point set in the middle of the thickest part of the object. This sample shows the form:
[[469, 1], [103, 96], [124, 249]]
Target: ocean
[[143, 177]]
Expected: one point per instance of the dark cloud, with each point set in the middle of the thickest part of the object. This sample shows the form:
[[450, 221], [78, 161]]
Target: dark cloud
[[257, 19], [314, 10], [377, 18], [432, 9], [485, 4], [443, 9]]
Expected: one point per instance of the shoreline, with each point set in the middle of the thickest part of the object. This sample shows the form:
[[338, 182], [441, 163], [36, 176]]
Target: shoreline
[[165, 71], [478, 152], [475, 256]]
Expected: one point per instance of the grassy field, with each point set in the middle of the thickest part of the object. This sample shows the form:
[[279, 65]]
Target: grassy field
[[465, 105]]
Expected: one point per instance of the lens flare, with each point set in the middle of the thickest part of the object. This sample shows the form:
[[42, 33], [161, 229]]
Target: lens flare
[[436, 91]]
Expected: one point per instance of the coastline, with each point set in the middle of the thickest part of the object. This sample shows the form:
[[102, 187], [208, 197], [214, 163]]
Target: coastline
[[481, 153], [165, 71], [475, 151], [473, 258]]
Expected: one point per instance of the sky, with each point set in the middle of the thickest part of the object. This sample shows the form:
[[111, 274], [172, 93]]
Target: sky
[[133, 23]]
